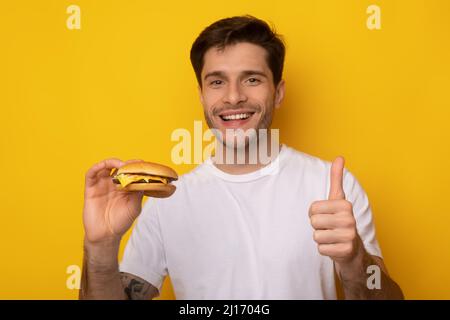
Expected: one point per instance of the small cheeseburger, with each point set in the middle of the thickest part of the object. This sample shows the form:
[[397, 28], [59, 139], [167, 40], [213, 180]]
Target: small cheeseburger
[[153, 178]]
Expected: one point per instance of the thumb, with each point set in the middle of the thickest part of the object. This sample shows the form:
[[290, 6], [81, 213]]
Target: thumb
[[336, 179]]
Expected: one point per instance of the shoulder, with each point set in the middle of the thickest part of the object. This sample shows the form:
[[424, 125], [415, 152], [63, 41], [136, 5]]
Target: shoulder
[[197, 176], [305, 163], [187, 184], [314, 168]]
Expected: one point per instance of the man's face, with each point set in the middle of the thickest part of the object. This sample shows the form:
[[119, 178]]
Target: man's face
[[237, 88]]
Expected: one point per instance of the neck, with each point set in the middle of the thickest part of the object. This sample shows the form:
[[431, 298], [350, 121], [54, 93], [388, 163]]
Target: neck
[[242, 167]]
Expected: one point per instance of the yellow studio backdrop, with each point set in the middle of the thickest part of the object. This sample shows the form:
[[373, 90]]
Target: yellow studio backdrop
[[122, 83]]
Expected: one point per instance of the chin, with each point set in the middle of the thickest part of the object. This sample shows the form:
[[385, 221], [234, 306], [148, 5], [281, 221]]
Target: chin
[[240, 141]]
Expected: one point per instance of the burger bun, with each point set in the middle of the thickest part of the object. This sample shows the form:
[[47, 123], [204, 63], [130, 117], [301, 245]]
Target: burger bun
[[155, 190]]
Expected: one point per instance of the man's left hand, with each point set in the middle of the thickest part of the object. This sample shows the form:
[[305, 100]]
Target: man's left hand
[[333, 221]]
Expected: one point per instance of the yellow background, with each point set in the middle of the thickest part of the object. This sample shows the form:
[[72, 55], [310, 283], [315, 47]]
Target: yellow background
[[121, 85]]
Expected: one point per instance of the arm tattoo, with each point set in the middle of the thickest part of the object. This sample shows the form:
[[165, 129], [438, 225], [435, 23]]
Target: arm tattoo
[[136, 288]]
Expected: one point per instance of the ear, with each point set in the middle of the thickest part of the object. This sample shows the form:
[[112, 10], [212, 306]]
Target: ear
[[200, 93], [279, 93]]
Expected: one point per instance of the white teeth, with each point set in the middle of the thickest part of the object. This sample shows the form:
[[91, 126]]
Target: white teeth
[[236, 116]]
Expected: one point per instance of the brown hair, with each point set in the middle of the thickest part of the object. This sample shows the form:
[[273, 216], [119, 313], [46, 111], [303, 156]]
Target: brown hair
[[237, 29]]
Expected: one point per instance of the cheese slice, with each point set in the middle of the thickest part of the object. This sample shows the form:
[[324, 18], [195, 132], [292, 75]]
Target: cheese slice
[[126, 179]]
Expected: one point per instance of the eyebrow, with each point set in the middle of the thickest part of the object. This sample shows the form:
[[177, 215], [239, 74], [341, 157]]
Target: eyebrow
[[221, 74]]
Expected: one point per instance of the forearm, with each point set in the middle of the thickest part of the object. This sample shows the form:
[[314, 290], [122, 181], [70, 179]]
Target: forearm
[[100, 277], [354, 278]]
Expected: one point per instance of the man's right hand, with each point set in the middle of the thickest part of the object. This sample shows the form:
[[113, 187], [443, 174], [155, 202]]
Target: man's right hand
[[108, 212]]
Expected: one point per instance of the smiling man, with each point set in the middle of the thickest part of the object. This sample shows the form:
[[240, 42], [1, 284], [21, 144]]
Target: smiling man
[[239, 230]]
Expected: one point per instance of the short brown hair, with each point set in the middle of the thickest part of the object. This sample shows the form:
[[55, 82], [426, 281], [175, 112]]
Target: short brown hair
[[238, 29]]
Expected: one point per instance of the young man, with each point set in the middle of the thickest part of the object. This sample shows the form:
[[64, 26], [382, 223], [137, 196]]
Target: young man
[[276, 230]]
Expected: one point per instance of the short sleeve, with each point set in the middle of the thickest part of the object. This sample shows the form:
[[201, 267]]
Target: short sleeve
[[144, 254], [362, 212]]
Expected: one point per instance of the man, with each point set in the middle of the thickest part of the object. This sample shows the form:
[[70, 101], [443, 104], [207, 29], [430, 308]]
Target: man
[[274, 230]]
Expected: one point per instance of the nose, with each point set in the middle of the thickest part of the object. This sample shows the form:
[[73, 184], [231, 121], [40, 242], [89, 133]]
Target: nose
[[234, 94]]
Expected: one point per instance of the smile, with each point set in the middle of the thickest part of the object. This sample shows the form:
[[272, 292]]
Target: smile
[[238, 116]]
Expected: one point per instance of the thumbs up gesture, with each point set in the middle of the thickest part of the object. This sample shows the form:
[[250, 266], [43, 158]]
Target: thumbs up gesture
[[333, 221]]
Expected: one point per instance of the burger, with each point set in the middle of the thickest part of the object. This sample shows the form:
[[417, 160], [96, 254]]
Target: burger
[[152, 178]]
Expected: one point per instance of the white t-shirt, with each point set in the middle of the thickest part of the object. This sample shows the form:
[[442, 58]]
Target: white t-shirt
[[249, 236]]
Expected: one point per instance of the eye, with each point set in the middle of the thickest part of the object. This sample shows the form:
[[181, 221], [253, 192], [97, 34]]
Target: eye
[[216, 83], [253, 80]]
